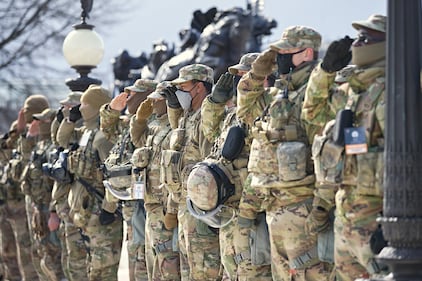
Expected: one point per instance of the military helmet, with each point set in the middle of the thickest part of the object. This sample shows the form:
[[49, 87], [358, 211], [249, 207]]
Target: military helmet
[[208, 186]]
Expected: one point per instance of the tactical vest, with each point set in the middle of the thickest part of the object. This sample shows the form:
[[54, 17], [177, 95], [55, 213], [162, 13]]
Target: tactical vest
[[36, 184], [149, 157], [117, 167], [364, 170], [280, 148], [177, 161], [85, 162]]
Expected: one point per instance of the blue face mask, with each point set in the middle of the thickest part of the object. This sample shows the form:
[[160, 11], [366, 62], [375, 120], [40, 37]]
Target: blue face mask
[[285, 62]]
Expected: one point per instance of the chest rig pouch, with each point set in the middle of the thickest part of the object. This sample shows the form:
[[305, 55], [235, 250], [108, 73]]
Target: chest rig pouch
[[117, 167], [234, 143], [170, 162]]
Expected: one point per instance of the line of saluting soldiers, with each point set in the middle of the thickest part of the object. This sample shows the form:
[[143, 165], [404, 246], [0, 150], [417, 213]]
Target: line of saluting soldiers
[[247, 179]]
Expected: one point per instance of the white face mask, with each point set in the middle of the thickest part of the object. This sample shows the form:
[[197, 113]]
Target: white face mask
[[184, 98]]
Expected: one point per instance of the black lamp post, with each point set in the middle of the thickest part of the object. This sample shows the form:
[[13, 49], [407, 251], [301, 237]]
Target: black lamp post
[[83, 49]]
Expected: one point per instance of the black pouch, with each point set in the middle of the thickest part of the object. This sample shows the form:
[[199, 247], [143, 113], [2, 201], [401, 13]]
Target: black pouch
[[344, 119], [234, 143]]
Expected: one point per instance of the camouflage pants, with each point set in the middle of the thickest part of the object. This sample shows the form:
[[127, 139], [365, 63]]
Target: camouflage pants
[[352, 253], [235, 255], [202, 248], [105, 243], [16, 216], [290, 245], [8, 251], [165, 261], [136, 242], [76, 253]]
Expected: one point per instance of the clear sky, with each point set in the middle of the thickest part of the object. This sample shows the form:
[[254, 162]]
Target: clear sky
[[151, 20]]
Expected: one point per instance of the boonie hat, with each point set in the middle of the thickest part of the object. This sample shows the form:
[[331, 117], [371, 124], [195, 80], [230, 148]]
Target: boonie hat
[[197, 71], [244, 64], [298, 37], [72, 99], [46, 114], [374, 22], [160, 87], [142, 86]]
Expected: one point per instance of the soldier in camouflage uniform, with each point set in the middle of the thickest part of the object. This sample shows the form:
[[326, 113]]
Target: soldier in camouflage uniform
[[20, 204], [357, 151], [74, 250], [87, 191], [116, 129], [8, 245], [218, 117], [150, 130], [37, 187], [281, 179], [197, 242]]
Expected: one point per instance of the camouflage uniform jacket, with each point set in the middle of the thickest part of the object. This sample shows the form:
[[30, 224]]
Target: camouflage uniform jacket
[[85, 161], [253, 99], [216, 122], [34, 183], [194, 148], [152, 137], [9, 189], [116, 130], [364, 95]]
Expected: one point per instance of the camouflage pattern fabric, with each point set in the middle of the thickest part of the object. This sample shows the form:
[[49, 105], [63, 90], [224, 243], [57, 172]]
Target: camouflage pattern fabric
[[196, 241], [8, 251], [37, 187], [166, 261], [359, 199], [151, 137], [234, 241], [74, 249], [104, 240], [284, 201], [16, 212]]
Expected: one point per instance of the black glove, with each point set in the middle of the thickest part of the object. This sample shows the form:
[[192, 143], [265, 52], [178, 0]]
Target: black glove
[[59, 115], [75, 114], [106, 217], [223, 90], [377, 241], [338, 55], [169, 94]]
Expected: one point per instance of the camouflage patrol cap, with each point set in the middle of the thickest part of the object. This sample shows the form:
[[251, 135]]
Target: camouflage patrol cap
[[72, 99], [142, 86], [202, 188], [197, 71], [374, 22], [244, 64], [160, 87], [46, 114], [298, 37]]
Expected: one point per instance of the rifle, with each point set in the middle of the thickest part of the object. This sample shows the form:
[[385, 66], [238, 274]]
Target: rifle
[[93, 191]]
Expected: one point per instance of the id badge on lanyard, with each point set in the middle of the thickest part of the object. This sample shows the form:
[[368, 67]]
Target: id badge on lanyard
[[355, 140]]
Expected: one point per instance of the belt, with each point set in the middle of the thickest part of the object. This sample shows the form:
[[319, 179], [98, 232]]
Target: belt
[[164, 247]]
